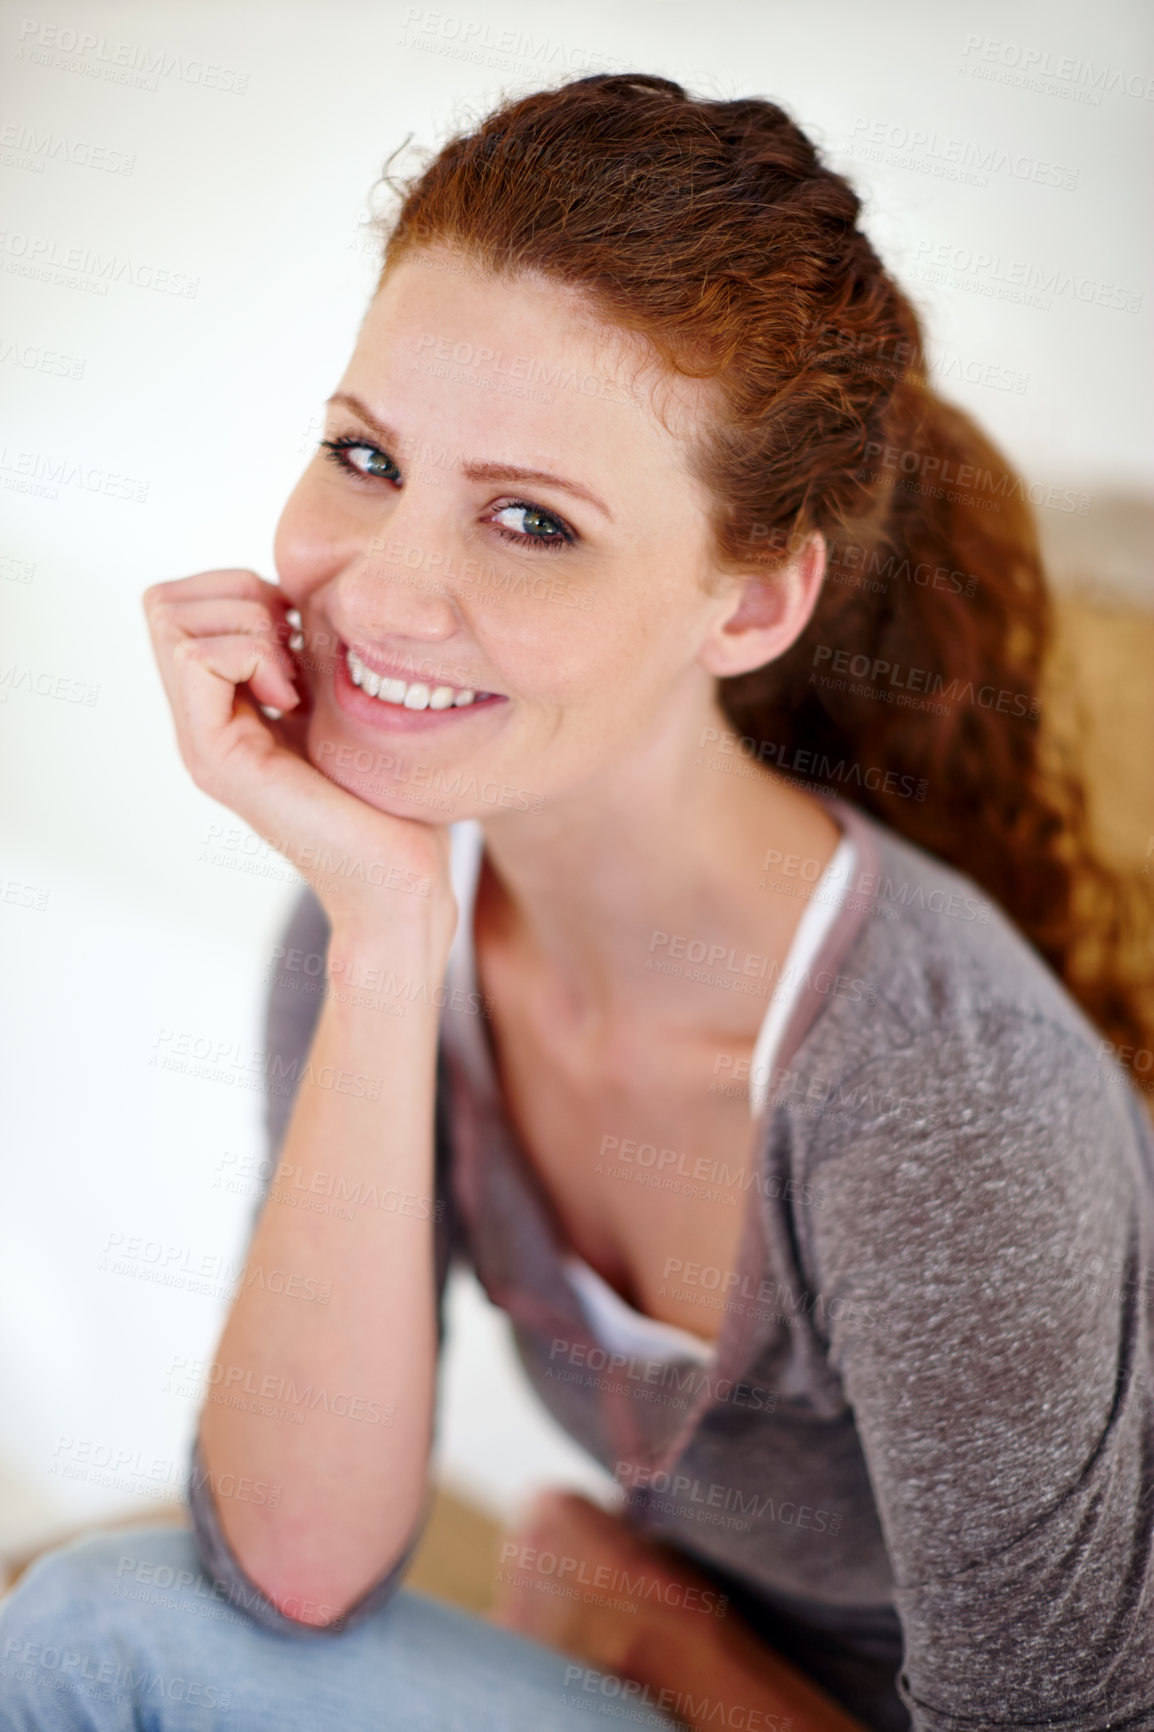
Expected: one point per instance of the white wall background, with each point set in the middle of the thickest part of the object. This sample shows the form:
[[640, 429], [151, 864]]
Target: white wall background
[[252, 193]]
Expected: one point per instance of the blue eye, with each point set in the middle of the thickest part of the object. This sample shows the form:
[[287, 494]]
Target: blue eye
[[538, 528], [378, 466]]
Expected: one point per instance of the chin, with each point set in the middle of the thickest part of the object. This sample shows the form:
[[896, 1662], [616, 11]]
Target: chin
[[395, 779]]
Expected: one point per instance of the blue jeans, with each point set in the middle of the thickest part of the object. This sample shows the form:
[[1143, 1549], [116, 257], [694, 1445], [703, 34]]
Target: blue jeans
[[123, 1633]]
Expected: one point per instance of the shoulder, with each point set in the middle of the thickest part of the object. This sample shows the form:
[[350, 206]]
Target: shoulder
[[945, 970], [964, 1104]]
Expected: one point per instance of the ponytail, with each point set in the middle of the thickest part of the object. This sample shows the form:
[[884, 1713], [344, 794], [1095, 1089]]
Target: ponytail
[[917, 690]]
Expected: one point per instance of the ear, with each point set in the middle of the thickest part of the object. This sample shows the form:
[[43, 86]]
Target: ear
[[767, 613]]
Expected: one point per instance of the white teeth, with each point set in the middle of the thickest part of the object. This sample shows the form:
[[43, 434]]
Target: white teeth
[[417, 696]]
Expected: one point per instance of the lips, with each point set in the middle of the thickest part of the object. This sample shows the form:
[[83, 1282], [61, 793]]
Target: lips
[[408, 694], [398, 704]]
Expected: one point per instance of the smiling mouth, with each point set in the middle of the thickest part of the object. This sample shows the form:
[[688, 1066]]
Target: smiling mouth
[[411, 694]]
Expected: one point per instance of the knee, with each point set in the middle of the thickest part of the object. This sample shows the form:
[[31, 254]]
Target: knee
[[88, 1619], [68, 1587]]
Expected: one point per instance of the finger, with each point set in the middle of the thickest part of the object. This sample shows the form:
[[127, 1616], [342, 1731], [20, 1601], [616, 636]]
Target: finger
[[219, 615], [215, 615], [209, 669], [170, 621], [232, 580]]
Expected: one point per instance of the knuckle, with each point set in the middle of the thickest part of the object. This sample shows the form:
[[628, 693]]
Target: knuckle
[[162, 609]]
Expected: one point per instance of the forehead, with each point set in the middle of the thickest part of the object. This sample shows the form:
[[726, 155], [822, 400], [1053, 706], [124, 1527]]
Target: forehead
[[523, 369]]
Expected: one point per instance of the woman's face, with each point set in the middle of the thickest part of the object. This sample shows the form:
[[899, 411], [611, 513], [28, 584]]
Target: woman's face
[[505, 513]]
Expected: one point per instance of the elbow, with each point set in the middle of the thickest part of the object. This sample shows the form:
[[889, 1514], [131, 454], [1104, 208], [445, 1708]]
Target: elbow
[[308, 1607], [292, 1579], [309, 1601]]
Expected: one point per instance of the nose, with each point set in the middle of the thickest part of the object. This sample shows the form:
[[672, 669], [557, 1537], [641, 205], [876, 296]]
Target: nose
[[393, 590]]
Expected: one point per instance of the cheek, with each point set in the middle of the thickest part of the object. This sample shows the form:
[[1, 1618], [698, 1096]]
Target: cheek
[[304, 549], [581, 645]]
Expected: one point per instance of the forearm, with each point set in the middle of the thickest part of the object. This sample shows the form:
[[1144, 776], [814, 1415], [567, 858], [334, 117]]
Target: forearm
[[706, 1683], [324, 1375], [678, 1654]]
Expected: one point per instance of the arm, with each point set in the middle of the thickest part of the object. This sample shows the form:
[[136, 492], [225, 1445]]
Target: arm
[[332, 1333], [352, 1475], [687, 1660], [982, 1253]]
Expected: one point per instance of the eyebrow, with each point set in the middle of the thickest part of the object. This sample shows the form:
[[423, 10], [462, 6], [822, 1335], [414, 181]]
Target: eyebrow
[[476, 471]]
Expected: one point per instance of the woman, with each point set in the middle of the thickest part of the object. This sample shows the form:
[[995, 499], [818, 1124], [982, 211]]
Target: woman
[[821, 1208]]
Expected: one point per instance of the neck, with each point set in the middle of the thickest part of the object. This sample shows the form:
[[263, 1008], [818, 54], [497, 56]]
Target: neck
[[597, 887]]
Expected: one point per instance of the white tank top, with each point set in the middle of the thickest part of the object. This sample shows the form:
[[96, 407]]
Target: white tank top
[[618, 1327]]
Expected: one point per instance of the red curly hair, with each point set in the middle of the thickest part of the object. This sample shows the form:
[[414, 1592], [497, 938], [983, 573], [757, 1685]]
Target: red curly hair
[[714, 230]]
